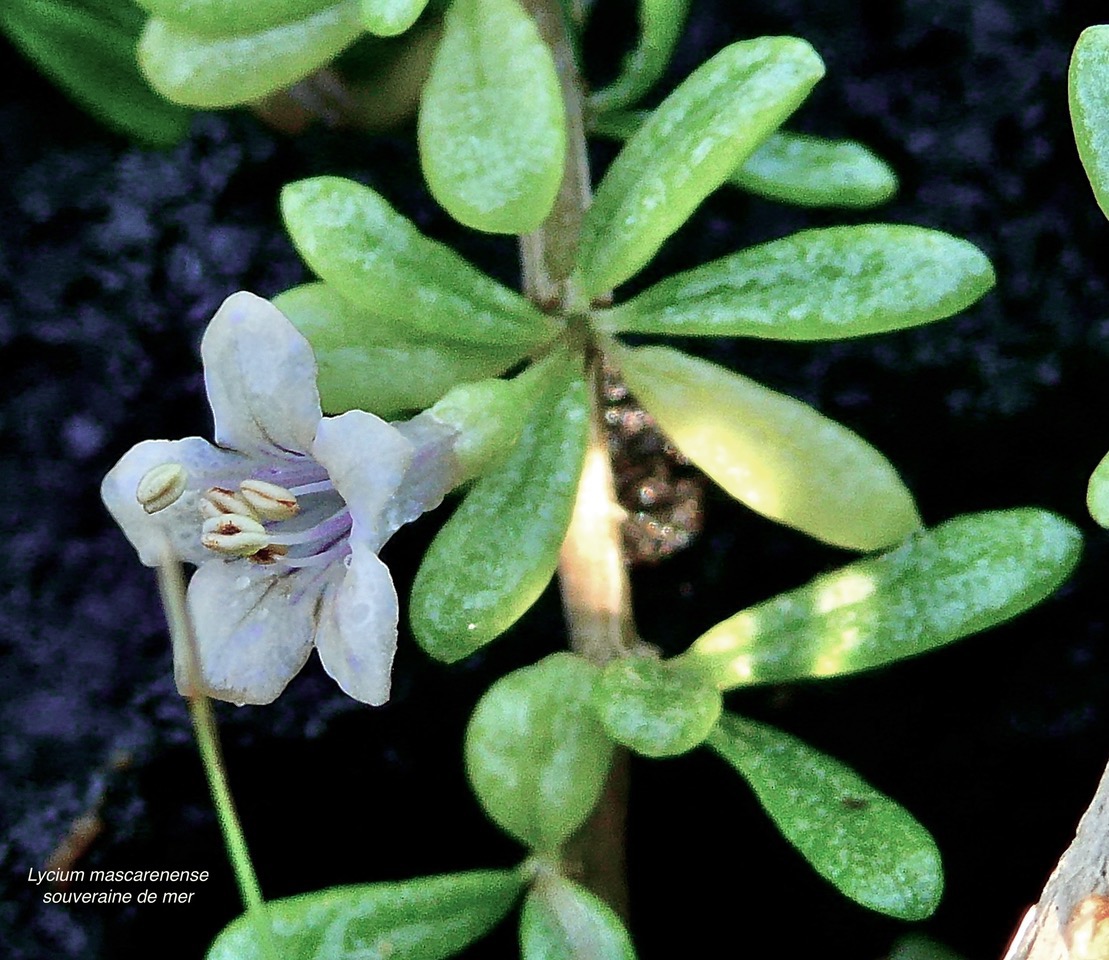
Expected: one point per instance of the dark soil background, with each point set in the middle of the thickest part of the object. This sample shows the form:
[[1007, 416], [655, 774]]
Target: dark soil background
[[113, 258]]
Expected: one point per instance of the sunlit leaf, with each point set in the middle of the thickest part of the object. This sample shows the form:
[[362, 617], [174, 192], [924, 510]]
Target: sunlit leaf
[[965, 575], [816, 285], [228, 18], [660, 27], [868, 847], [1097, 494], [378, 260], [1089, 107], [773, 453], [92, 58], [563, 921], [536, 754], [655, 707], [387, 18], [430, 918], [688, 147], [366, 363], [211, 72], [497, 553], [492, 125]]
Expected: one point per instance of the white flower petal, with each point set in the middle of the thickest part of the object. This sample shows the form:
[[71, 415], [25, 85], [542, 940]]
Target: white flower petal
[[432, 474], [357, 633], [261, 378], [367, 460], [176, 528], [254, 627]]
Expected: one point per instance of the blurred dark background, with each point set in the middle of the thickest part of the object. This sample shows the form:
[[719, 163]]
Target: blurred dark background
[[112, 259]]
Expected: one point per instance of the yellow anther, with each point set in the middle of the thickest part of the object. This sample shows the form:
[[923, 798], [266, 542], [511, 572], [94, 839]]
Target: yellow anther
[[219, 501], [269, 501], [234, 535], [161, 486]]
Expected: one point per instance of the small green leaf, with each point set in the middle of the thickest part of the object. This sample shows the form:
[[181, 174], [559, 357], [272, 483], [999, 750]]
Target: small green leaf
[[387, 18], [965, 575], [536, 754], [1097, 494], [563, 921], [214, 72], [688, 147], [773, 453], [365, 364], [229, 18], [430, 918], [816, 285], [492, 125], [660, 28], [497, 553], [792, 167], [1089, 108], [868, 847], [655, 707], [379, 261], [91, 57]]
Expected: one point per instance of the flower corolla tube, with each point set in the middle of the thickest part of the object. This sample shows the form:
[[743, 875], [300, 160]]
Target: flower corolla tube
[[283, 516]]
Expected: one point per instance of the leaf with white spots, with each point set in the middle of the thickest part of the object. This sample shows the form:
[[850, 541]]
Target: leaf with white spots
[[1088, 84]]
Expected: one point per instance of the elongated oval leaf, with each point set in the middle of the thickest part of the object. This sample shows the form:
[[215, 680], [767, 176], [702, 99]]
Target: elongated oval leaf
[[92, 58], [793, 167], [965, 575], [816, 172], [1097, 494], [426, 919], [688, 147], [773, 453], [212, 72], [563, 921], [492, 127], [379, 261], [655, 707], [1089, 107], [816, 285], [497, 553], [660, 27], [366, 364], [228, 18], [868, 847], [536, 754], [387, 18]]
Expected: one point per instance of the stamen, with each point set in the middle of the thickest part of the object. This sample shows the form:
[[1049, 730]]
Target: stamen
[[219, 501], [269, 554], [270, 501], [161, 486], [234, 535], [338, 549], [335, 525], [321, 486]]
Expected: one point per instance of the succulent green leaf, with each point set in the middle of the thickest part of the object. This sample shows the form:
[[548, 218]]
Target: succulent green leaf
[[963, 576], [213, 72], [492, 126], [691, 143], [1097, 494], [869, 848], [497, 553], [1089, 108], [660, 28], [229, 18], [773, 453], [655, 707], [430, 918], [365, 363], [90, 55], [916, 946], [563, 921], [816, 285], [536, 754], [379, 261], [387, 18]]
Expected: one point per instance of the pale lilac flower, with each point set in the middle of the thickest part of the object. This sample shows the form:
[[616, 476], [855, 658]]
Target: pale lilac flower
[[283, 516]]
